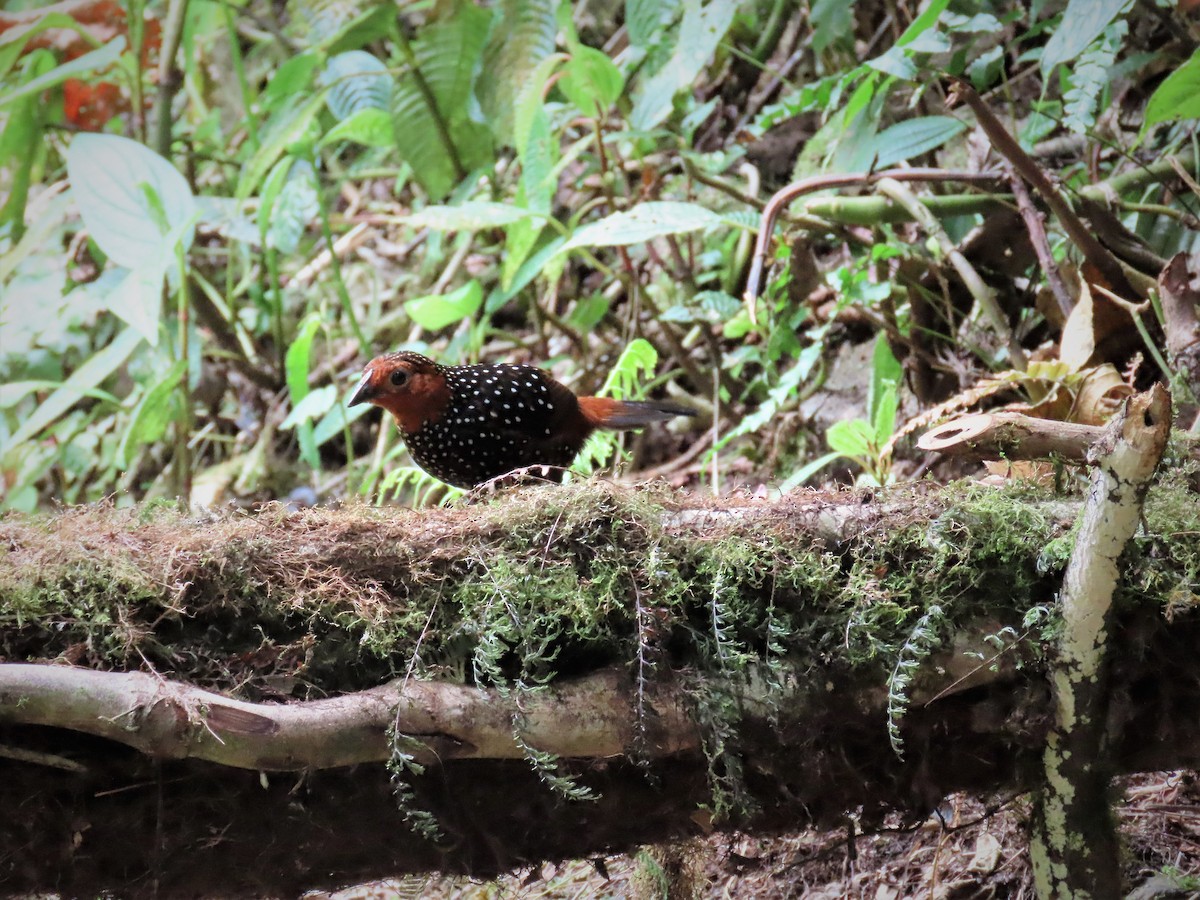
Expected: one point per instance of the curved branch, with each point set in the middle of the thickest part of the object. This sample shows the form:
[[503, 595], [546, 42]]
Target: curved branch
[[589, 717]]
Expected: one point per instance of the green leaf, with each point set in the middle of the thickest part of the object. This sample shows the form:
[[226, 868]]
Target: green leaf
[[832, 22], [20, 143], [913, 137], [922, 23], [470, 216], [290, 126], [369, 127], [851, 438], [699, 34], [436, 311], [295, 205], [643, 223], [99, 366], [151, 416], [522, 38], [447, 55], [296, 366], [1082, 22], [315, 403], [14, 392], [296, 361], [646, 20], [591, 81], [357, 81], [291, 79], [1090, 76], [95, 59], [1178, 97], [107, 173]]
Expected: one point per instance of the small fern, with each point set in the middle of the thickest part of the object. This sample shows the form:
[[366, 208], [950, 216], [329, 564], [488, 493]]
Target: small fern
[[1090, 76], [637, 359], [922, 641], [547, 768], [423, 487], [402, 765]]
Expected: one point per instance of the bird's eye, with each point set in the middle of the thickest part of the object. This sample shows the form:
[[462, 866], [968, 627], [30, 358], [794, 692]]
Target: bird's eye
[[399, 377]]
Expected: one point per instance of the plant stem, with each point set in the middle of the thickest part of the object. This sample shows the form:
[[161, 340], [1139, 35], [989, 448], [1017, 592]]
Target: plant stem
[[183, 426], [168, 76], [340, 284]]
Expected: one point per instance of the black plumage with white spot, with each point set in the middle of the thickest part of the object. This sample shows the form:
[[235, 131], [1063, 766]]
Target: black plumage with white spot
[[499, 418]]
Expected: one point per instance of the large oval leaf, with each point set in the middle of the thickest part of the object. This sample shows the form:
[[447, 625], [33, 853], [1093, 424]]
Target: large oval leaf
[[113, 180], [1178, 97], [357, 81], [904, 140], [643, 223], [439, 310]]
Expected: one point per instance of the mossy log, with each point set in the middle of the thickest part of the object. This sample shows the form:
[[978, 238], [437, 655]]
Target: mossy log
[[694, 664]]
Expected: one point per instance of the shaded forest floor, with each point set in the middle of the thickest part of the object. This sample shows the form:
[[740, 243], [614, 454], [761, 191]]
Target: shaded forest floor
[[966, 850]]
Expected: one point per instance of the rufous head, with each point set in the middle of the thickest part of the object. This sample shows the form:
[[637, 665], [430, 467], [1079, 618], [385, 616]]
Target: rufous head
[[408, 385]]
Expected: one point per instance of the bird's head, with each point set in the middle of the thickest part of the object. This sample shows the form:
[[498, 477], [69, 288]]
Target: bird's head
[[409, 386]]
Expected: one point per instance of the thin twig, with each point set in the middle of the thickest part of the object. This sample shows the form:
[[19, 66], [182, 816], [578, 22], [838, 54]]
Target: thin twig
[[1006, 145], [1036, 227]]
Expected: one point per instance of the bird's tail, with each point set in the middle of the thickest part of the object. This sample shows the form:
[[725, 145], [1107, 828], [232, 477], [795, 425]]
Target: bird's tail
[[619, 415]]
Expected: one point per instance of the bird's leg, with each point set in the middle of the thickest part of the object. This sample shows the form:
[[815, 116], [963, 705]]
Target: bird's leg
[[539, 474]]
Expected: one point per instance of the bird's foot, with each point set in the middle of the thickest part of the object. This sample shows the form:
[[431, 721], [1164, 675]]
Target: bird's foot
[[516, 478]]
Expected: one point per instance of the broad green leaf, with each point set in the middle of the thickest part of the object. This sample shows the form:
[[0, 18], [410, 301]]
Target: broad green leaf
[[910, 138], [296, 365], [151, 416], [470, 216], [699, 34], [521, 39], [369, 127], [643, 223], [851, 437], [1178, 97], [1082, 22], [335, 420], [591, 80], [436, 311], [99, 366], [107, 173], [94, 59], [315, 403], [291, 79], [646, 20], [357, 81], [291, 126], [296, 361]]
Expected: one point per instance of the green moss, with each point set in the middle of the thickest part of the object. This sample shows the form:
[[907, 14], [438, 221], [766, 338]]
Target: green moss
[[545, 582]]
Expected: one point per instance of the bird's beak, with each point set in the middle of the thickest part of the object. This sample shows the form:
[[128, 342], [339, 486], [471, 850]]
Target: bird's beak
[[364, 391]]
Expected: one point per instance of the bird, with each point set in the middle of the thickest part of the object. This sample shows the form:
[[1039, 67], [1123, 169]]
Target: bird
[[469, 425]]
